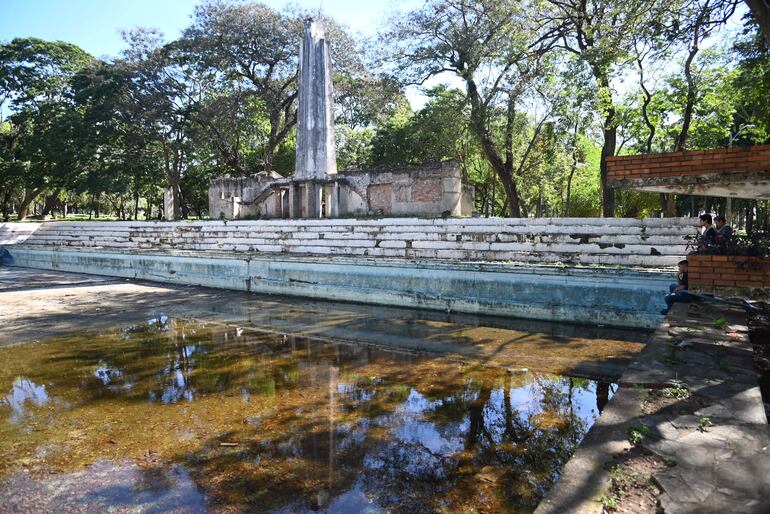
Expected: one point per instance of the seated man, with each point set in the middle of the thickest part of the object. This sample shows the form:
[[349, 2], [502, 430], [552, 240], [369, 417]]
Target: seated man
[[678, 291], [708, 237], [724, 231]]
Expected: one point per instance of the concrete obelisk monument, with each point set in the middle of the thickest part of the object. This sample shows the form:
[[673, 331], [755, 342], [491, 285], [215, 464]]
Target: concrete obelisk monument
[[316, 154]]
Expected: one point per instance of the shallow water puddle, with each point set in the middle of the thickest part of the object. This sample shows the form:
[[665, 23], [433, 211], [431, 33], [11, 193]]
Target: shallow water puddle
[[182, 416]]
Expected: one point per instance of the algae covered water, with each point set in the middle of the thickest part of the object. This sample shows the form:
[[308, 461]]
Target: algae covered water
[[185, 416]]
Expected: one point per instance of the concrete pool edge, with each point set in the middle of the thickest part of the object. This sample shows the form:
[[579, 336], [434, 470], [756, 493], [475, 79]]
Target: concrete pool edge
[[726, 461], [586, 295]]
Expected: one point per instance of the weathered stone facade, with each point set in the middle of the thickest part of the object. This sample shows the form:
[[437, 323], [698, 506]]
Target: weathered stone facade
[[430, 190], [236, 197], [471, 265], [653, 242]]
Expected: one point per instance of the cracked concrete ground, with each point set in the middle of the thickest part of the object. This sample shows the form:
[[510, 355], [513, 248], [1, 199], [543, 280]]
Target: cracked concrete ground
[[719, 451]]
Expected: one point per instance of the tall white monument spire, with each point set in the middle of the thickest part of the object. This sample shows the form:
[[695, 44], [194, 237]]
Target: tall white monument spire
[[316, 154]]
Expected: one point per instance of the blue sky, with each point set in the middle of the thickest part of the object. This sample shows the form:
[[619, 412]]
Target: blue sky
[[94, 25]]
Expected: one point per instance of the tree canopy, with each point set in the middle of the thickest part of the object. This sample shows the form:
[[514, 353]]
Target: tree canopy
[[529, 96]]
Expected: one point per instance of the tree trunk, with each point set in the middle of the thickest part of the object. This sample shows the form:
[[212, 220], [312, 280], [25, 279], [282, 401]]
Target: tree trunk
[[572, 169], [514, 206], [608, 150], [610, 133], [173, 176], [6, 201], [493, 202], [503, 169], [50, 202], [761, 11], [681, 140], [668, 204], [29, 197]]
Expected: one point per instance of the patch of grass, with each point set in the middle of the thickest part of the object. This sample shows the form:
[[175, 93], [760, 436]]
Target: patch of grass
[[703, 423], [669, 461], [610, 501], [616, 473], [677, 390], [635, 434], [720, 322]]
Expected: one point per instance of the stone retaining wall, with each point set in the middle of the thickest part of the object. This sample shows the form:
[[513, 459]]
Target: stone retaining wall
[[617, 241]]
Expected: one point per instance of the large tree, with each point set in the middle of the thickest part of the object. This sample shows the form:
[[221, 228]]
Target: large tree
[[494, 49], [600, 33], [761, 11], [35, 80]]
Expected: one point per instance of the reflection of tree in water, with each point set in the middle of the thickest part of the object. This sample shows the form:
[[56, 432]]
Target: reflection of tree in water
[[412, 433], [23, 392], [427, 450]]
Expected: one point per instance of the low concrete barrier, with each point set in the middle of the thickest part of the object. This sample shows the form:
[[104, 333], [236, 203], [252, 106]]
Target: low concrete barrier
[[615, 297], [454, 265]]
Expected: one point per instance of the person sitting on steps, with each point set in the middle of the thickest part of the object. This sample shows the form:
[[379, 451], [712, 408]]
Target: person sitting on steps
[[709, 235], [678, 291], [724, 231]]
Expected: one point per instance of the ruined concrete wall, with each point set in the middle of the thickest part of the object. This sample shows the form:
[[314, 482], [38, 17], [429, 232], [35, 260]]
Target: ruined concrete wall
[[233, 197], [428, 190], [604, 241], [468, 200]]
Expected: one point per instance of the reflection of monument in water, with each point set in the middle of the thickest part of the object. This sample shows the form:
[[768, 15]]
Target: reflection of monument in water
[[316, 190]]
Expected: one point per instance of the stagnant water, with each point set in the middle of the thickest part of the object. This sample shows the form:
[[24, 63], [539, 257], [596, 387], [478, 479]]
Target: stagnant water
[[181, 416]]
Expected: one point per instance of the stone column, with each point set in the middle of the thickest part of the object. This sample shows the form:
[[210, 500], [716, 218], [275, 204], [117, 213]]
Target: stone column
[[311, 200], [334, 200], [316, 154], [169, 204], [277, 202], [294, 201]]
